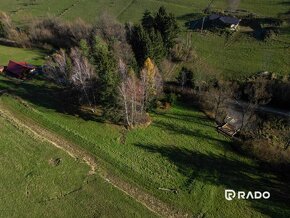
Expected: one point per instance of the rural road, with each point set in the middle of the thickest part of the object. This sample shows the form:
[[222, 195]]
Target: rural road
[[271, 110]]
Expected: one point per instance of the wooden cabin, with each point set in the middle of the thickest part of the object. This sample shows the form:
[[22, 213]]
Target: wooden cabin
[[19, 69]]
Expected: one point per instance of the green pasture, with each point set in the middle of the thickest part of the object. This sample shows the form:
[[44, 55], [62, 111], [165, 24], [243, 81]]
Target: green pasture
[[235, 57], [32, 56], [181, 151], [31, 186], [127, 10]]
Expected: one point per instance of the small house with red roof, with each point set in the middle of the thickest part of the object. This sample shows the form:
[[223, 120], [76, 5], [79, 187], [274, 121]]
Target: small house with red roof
[[19, 69]]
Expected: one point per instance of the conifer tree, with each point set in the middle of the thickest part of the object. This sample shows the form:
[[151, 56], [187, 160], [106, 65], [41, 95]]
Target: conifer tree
[[167, 25], [106, 68]]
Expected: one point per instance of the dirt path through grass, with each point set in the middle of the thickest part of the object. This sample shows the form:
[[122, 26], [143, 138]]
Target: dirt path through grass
[[40, 133]]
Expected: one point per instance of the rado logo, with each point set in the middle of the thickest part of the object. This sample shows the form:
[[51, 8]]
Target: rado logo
[[231, 194]]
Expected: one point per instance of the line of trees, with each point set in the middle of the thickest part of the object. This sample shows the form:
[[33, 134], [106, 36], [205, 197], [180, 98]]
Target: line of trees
[[155, 36], [113, 65]]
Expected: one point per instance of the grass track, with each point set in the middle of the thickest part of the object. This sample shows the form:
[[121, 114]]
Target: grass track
[[31, 187], [31, 128]]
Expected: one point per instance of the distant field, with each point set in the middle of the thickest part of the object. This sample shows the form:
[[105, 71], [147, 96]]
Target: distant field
[[181, 150], [31, 186], [238, 57], [32, 56], [241, 56], [126, 10]]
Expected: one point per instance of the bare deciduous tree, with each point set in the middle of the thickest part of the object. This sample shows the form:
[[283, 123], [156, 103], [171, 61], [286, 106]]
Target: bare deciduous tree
[[73, 71], [218, 98], [57, 68], [131, 97], [83, 75], [222, 96], [258, 94], [152, 83]]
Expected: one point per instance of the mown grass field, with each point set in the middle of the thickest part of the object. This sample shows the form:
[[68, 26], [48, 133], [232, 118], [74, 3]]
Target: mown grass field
[[240, 56], [126, 10], [181, 150], [31, 186], [32, 56]]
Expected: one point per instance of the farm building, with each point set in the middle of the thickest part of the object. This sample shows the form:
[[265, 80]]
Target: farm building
[[19, 69], [215, 21], [224, 21]]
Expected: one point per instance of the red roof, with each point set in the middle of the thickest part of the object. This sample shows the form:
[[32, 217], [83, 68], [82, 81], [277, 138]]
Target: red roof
[[18, 67]]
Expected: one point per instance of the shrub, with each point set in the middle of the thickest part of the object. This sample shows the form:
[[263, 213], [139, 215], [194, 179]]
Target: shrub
[[57, 33], [185, 78], [181, 52], [171, 98]]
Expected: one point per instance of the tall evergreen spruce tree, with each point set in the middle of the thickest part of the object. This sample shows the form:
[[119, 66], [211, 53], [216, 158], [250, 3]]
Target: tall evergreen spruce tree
[[106, 69], [167, 25], [155, 37], [147, 20]]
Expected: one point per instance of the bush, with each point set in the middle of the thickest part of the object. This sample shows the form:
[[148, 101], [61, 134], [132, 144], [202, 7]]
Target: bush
[[171, 98], [6, 27], [263, 150], [9, 31], [185, 78], [57, 33], [181, 52]]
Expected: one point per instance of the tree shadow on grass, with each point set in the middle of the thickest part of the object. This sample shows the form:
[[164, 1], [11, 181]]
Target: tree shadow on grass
[[185, 117], [231, 174], [44, 94], [284, 3], [182, 130]]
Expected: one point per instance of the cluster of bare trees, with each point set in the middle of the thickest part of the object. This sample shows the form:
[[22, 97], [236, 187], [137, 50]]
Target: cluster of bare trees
[[242, 101], [58, 33], [137, 94], [130, 91], [9, 31], [73, 71]]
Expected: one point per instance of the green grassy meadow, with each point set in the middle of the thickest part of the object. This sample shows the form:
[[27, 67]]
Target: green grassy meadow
[[33, 56], [32, 187], [126, 10], [181, 150], [242, 56], [237, 57]]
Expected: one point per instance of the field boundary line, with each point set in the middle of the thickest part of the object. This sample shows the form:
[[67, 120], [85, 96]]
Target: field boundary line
[[126, 8], [65, 10]]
